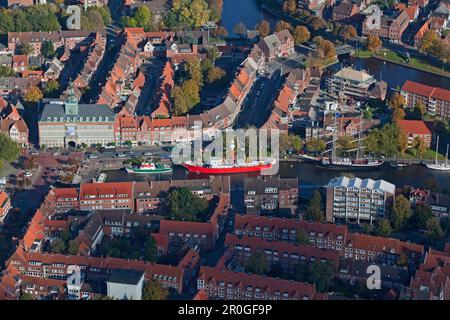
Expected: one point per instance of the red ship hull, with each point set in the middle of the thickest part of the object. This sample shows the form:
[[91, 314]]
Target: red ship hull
[[237, 169]]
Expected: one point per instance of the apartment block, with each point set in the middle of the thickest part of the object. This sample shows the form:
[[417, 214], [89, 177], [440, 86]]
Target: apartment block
[[358, 200]]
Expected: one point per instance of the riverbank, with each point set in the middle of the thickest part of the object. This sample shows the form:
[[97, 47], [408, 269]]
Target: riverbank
[[394, 57]]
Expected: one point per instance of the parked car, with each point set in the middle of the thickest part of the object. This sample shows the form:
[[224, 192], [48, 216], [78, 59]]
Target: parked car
[[147, 153], [121, 155], [28, 174], [93, 156]]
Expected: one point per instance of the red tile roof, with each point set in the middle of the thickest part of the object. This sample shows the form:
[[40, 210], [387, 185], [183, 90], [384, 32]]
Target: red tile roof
[[414, 127], [427, 91]]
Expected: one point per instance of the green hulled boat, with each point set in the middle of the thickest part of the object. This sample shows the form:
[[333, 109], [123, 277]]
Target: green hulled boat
[[149, 168]]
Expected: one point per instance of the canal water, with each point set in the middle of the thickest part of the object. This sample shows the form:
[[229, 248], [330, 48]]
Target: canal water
[[308, 175], [250, 13]]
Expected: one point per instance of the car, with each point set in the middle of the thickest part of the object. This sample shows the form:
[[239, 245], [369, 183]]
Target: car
[[93, 156], [121, 155], [147, 153], [28, 174], [56, 153], [34, 153]]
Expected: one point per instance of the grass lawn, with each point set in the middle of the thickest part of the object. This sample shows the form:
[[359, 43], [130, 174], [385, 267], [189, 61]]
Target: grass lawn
[[414, 62], [363, 54], [429, 154]]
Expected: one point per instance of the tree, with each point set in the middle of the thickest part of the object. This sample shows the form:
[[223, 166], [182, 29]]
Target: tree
[[289, 142], [302, 237], [402, 143], [153, 290], [348, 32], [91, 19], [9, 149], [401, 213], [368, 114], [420, 146], [290, 6], [264, 28], [383, 228], [316, 145], [419, 111], [282, 25], [48, 49], [33, 95], [144, 18], [191, 13], [398, 114], [301, 35], [373, 43], [73, 248], [58, 246], [194, 70], [183, 205], [220, 32], [25, 48], [314, 211], [51, 88], [397, 101], [434, 230], [421, 215], [240, 29], [6, 71], [214, 74], [321, 274], [25, 296], [402, 259], [346, 143], [301, 272], [315, 22], [150, 250], [257, 264], [215, 7]]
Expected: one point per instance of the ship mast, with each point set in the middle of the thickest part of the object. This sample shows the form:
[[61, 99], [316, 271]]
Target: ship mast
[[437, 150], [359, 136], [446, 157], [333, 150]]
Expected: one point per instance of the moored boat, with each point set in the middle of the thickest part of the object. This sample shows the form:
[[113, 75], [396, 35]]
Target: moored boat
[[440, 166], [149, 168], [227, 168]]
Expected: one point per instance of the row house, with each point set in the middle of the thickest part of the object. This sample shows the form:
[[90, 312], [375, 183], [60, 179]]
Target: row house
[[166, 84], [219, 283], [106, 196], [63, 199], [94, 57], [5, 206], [265, 194], [17, 86], [436, 100], [66, 38], [58, 266], [331, 237], [277, 45], [12, 124], [344, 11], [124, 68], [348, 126], [287, 256], [390, 28]]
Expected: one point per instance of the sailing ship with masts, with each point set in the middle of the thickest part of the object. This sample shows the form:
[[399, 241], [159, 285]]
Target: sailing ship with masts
[[441, 166]]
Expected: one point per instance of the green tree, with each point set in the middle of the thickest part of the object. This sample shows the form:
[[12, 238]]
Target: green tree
[[401, 213], [346, 143], [257, 263], [301, 272], [48, 49], [420, 146], [383, 228], [6, 71], [91, 19], [191, 13], [51, 89], [9, 149], [321, 274], [183, 205], [26, 296], [316, 145], [402, 260], [214, 74], [58, 246], [302, 237], [150, 250], [153, 290], [144, 18], [421, 215], [289, 142], [73, 247], [25, 48], [434, 230], [314, 211], [193, 69]]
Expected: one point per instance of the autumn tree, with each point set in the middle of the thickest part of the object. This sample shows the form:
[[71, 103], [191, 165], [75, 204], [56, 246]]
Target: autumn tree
[[400, 213], [219, 32], [316, 145], [214, 74], [191, 13], [396, 103], [33, 95], [215, 7], [403, 143], [420, 146], [373, 43], [25, 48], [434, 230], [315, 22], [263, 28], [282, 25], [348, 32], [383, 228], [301, 35], [398, 114], [153, 290], [257, 264], [240, 29], [302, 237], [193, 69]]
